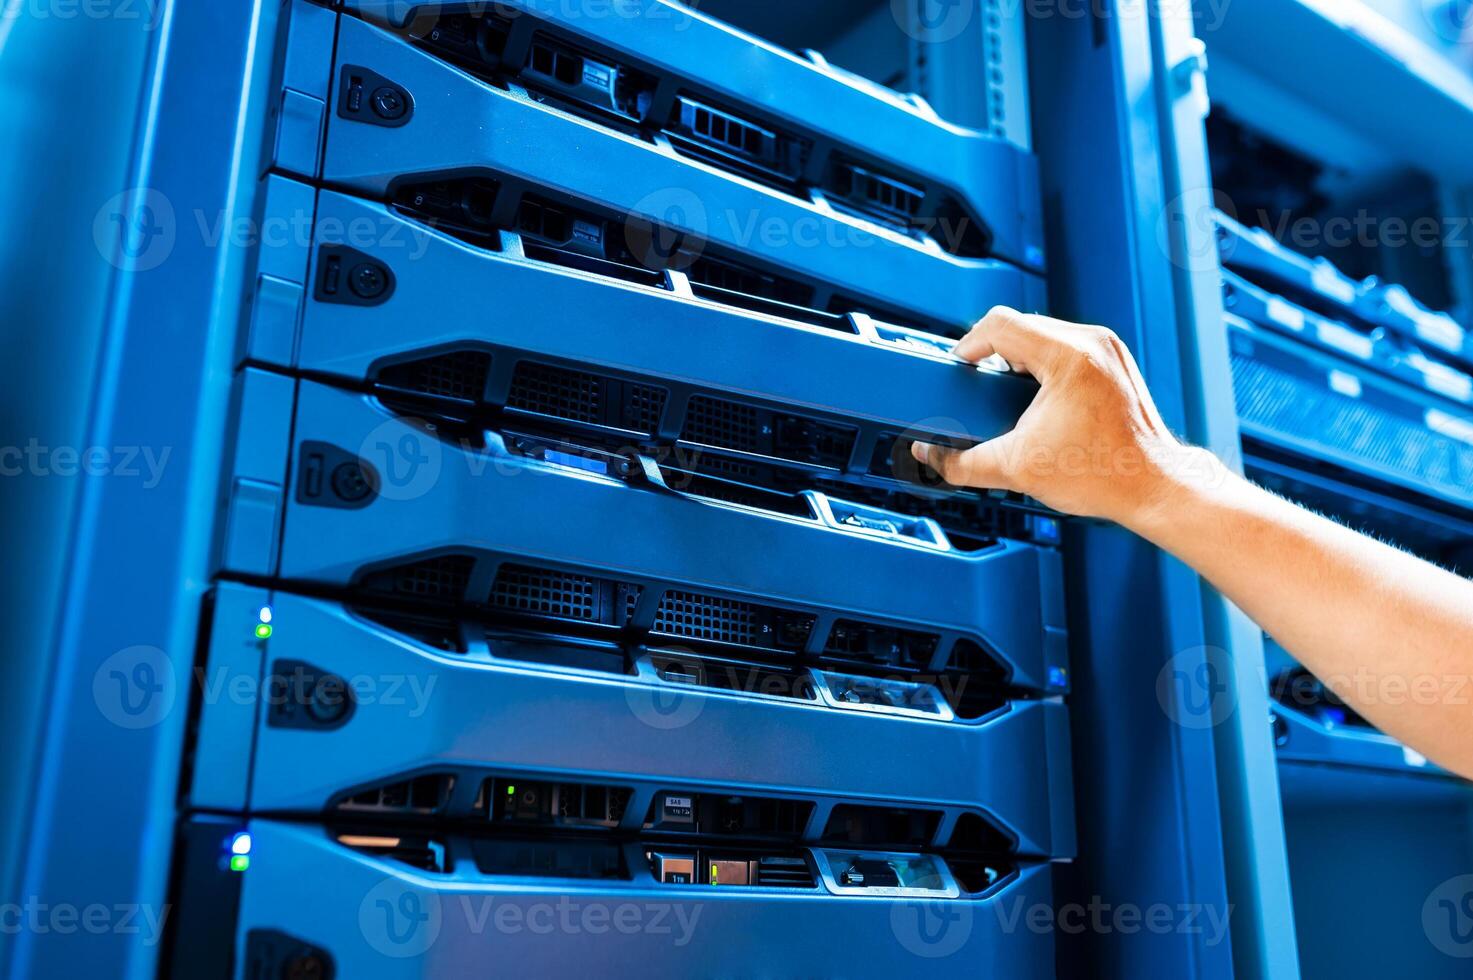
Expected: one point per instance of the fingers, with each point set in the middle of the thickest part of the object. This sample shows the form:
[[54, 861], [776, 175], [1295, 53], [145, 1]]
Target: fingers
[[986, 466], [1023, 341]]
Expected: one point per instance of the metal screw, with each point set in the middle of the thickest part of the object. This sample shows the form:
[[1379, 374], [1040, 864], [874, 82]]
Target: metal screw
[[350, 483], [328, 701], [389, 103], [368, 281]]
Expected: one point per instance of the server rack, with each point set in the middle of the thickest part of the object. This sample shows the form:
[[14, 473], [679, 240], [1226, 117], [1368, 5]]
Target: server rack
[[1343, 362], [565, 554]]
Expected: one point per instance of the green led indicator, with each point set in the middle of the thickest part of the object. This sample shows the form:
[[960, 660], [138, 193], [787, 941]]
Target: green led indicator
[[511, 791], [263, 631], [239, 862]]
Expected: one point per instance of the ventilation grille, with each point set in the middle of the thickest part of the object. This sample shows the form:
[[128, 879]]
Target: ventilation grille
[[1293, 406], [996, 81], [423, 794], [562, 595], [693, 616], [577, 396], [565, 394], [442, 579], [731, 425], [784, 872], [457, 374]]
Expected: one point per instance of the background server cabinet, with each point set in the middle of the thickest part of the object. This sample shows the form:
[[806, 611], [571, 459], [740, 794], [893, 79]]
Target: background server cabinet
[[1342, 350]]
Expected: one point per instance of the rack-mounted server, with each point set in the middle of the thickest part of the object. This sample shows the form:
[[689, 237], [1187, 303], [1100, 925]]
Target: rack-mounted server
[[577, 407]]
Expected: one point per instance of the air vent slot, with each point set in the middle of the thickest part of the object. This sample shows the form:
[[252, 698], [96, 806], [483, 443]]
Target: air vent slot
[[589, 399], [563, 596], [880, 827], [526, 801], [723, 424], [784, 872], [456, 374], [420, 795], [880, 645], [693, 616], [440, 579], [417, 851]]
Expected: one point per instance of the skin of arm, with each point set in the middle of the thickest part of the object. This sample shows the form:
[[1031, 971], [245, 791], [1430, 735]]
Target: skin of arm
[[1391, 634]]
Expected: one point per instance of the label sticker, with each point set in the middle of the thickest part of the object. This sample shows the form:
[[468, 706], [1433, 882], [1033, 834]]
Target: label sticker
[[1346, 384], [1442, 331], [1285, 314], [1328, 280], [1345, 339], [1450, 425]]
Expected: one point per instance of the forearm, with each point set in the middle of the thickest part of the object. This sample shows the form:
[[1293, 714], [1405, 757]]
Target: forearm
[[1388, 632]]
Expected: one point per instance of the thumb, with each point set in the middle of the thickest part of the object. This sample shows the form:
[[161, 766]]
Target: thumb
[[985, 466]]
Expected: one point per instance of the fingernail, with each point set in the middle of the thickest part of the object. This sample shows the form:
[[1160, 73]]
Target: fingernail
[[920, 451]]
